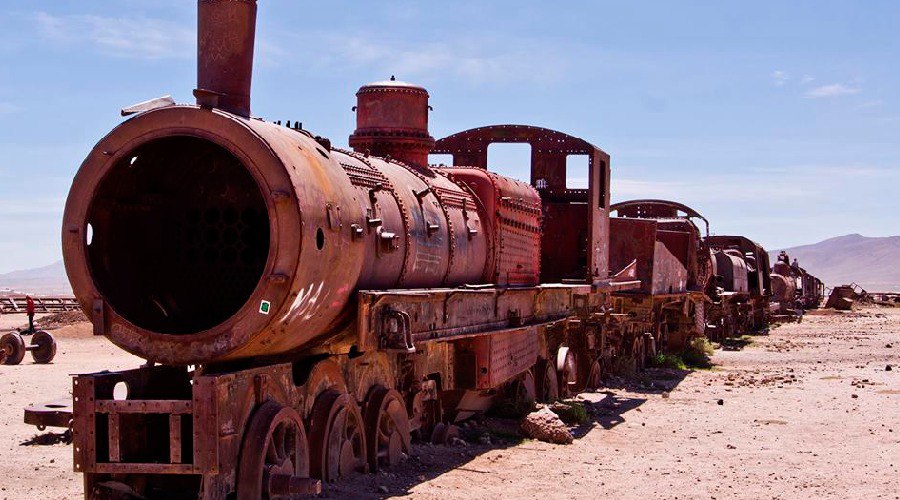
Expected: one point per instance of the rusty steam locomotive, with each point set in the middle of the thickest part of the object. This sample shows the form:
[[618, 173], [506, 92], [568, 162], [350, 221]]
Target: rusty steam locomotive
[[305, 311]]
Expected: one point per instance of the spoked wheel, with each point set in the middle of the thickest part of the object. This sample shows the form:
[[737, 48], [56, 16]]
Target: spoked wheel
[[12, 349], [595, 376], [387, 427], [548, 389], [567, 369], [275, 456], [43, 347], [337, 440]]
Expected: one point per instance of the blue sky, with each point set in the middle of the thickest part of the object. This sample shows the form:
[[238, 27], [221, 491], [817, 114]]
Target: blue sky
[[777, 120]]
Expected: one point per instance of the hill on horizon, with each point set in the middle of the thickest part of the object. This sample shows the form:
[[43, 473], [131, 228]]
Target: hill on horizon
[[46, 280], [871, 262]]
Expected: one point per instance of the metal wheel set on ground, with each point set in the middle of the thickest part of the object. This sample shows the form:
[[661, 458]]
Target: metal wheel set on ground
[[13, 348]]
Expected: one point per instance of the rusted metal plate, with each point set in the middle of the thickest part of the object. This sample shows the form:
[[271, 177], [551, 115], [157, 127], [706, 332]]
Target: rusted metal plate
[[113, 437], [513, 210], [143, 406], [443, 314], [175, 438], [634, 240], [501, 357], [83, 426], [143, 468], [51, 414]]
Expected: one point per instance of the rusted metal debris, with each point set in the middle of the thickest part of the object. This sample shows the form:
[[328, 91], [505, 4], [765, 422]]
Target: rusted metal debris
[[844, 297], [53, 414], [52, 304], [307, 311], [42, 347]]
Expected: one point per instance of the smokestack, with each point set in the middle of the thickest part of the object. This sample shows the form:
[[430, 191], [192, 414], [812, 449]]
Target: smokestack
[[226, 30]]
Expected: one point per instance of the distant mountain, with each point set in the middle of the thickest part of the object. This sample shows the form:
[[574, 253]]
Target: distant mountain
[[873, 263], [47, 280]]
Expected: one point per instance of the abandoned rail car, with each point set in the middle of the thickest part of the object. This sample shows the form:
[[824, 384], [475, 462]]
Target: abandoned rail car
[[794, 290], [673, 265], [740, 300]]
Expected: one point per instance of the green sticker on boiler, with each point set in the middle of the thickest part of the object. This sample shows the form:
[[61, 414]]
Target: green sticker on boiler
[[264, 307]]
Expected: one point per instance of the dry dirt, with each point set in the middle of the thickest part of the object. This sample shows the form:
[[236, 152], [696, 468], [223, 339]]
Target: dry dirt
[[808, 411]]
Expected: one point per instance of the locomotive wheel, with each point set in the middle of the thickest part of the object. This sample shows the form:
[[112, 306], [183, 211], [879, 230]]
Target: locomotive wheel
[[567, 368], [595, 376], [274, 456], [43, 347], [387, 428], [12, 349], [443, 434], [525, 388], [337, 440], [548, 389]]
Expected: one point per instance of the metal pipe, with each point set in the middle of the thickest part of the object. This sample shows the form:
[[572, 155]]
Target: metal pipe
[[226, 30]]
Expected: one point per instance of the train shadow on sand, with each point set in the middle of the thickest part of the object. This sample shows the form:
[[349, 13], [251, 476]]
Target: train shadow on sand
[[606, 408]]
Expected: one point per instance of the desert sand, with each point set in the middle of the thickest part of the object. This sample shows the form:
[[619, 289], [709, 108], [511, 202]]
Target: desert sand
[[808, 411]]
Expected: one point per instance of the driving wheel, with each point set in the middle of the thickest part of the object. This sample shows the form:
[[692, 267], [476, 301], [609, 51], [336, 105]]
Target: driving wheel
[[387, 428], [274, 456], [337, 440]]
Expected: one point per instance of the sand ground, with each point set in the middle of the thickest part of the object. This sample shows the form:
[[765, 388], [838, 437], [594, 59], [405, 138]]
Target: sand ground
[[809, 411]]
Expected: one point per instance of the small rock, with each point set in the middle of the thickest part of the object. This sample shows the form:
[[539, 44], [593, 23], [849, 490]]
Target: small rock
[[455, 441], [544, 425], [720, 402], [383, 489], [665, 395], [888, 368], [854, 396]]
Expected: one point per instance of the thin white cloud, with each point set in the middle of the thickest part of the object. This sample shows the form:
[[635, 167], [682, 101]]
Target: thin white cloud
[[779, 78], [807, 79], [139, 38], [482, 60], [833, 90]]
